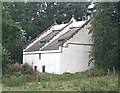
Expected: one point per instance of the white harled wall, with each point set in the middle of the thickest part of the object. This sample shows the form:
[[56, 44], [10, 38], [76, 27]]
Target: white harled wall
[[51, 61], [31, 59], [75, 58]]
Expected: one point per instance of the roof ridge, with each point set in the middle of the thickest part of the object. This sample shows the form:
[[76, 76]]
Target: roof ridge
[[56, 35]]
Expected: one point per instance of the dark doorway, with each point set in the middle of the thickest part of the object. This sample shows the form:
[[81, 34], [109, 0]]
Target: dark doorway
[[35, 68], [43, 68]]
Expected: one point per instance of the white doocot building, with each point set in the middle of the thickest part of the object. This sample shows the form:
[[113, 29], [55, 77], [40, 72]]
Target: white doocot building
[[61, 48]]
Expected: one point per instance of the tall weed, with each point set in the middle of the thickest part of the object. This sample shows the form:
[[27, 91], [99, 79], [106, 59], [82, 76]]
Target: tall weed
[[14, 81]]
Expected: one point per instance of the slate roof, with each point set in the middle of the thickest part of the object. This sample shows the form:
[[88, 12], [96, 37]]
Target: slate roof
[[47, 38], [62, 39], [58, 42], [41, 42]]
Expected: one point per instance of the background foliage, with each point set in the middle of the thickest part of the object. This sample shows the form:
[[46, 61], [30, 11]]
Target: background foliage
[[104, 30]]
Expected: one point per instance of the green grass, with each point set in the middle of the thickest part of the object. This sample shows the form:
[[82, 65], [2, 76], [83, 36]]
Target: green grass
[[50, 77], [103, 83], [67, 76]]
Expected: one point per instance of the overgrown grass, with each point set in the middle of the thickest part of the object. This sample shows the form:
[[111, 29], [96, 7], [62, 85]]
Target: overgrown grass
[[63, 77], [0, 88], [104, 83], [13, 81], [96, 80], [67, 76], [18, 75]]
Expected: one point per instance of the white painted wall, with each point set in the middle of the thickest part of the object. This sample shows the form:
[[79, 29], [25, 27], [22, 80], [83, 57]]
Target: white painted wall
[[75, 58], [50, 60], [31, 59]]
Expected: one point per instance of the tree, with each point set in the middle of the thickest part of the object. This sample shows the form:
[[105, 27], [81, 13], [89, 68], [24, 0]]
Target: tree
[[11, 35], [105, 35], [6, 60], [34, 17]]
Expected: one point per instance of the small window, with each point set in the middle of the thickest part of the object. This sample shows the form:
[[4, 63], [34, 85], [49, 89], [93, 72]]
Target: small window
[[61, 40], [55, 30], [39, 56], [42, 41]]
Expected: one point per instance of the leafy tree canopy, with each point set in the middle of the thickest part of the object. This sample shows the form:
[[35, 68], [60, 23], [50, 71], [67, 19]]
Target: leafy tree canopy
[[105, 35]]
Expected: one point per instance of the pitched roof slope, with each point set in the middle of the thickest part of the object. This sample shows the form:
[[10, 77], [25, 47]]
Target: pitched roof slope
[[41, 42], [59, 41], [56, 29], [65, 37], [33, 40]]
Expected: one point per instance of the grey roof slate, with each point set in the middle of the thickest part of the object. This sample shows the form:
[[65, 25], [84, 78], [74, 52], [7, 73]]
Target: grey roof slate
[[41, 42], [59, 41], [56, 43], [39, 35], [62, 39]]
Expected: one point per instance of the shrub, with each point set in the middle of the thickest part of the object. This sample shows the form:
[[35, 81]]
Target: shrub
[[18, 69], [18, 73], [14, 68], [26, 69], [13, 81], [31, 78], [97, 72]]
